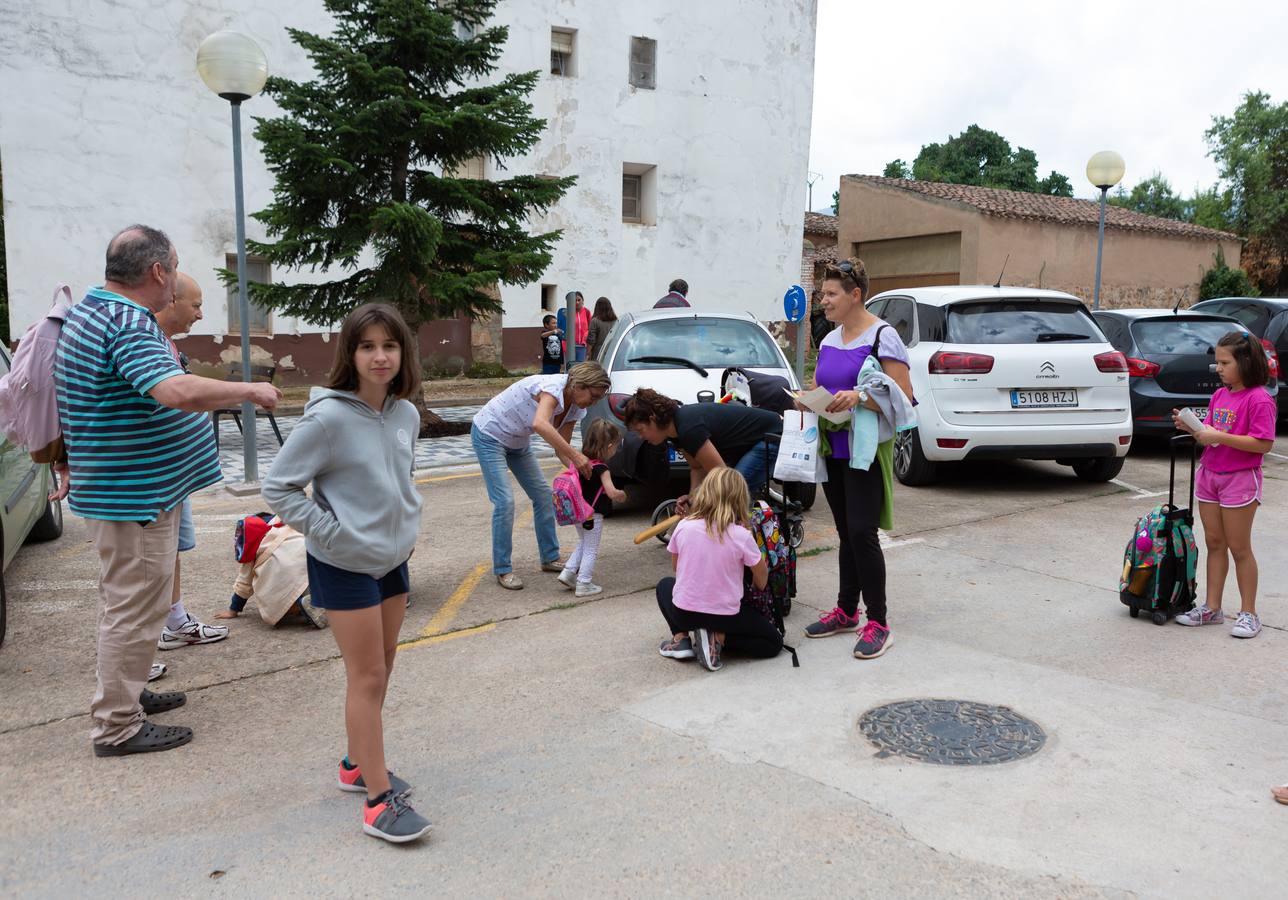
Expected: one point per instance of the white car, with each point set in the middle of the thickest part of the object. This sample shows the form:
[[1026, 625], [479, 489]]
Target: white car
[[682, 353], [1008, 373]]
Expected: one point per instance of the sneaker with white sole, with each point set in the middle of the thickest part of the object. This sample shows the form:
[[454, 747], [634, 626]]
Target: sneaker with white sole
[[568, 578], [350, 780], [588, 589], [158, 670], [1247, 625], [189, 633], [873, 640], [1201, 615], [673, 649], [393, 819], [707, 649], [833, 622]]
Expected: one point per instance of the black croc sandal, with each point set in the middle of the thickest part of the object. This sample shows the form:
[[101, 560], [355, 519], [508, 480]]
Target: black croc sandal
[[153, 702], [149, 739]]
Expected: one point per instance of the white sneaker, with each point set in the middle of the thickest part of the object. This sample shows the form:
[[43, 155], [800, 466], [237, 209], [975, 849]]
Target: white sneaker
[[158, 670], [588, 589], [191, 632], [1248, 625], [568, 578]]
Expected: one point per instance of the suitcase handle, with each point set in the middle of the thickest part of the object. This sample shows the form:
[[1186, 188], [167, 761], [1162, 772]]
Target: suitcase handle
[[1176, 442]]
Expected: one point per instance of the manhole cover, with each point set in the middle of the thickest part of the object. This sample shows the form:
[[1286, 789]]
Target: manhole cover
[[951, 732]]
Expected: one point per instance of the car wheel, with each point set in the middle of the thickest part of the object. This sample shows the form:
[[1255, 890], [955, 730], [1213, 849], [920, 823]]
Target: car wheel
[[1098, 470], [910, 465], [802, 493], [49, 527]]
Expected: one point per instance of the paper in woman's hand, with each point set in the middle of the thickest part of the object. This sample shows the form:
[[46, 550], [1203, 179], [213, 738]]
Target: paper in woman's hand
[[817, 401]]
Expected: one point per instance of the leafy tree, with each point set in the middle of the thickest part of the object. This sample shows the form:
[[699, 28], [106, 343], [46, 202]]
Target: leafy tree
[[897, 169], [369, 158], [1251, 150], [985, 158], [1154, 197], [836, 203], [1209, 209], [1223, 281], [1056, 185]]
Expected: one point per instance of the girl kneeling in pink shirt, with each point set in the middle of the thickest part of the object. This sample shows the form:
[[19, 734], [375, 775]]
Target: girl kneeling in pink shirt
[[702, 604]]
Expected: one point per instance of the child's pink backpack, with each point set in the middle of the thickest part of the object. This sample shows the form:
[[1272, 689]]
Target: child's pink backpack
[[571, 507], [28, 397]]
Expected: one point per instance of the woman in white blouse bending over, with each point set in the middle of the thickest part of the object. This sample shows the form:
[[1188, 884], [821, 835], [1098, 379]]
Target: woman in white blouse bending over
[[548, 405]]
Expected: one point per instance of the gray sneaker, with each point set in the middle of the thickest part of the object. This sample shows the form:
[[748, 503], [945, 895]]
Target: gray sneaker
[[1248, 625], [1201, 615], [673, 649], [394, 820], [351, 780], [587, 589], [707, 649]]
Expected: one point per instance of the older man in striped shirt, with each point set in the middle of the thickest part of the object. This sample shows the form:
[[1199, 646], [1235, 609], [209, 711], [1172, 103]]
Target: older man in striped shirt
[[136, 446]]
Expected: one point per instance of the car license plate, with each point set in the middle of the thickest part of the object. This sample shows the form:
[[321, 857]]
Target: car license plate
[[1201, 412], [1043, 399], [671, 454]]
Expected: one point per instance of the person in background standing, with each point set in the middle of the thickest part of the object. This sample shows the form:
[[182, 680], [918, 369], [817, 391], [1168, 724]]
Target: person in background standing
[[600, 325], [677, 296], [552, 347]]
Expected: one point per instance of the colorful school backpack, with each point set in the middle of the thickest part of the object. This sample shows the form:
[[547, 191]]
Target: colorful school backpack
[[1160, 564], [28, 395], [774, 600], [571, 507]]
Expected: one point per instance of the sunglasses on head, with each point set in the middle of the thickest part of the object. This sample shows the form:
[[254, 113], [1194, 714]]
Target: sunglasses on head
[[849, 270]]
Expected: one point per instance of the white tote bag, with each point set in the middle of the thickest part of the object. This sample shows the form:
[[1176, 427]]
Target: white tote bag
[[798, 457]]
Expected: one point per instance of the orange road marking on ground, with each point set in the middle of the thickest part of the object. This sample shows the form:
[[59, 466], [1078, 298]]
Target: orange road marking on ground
[[450, 636]]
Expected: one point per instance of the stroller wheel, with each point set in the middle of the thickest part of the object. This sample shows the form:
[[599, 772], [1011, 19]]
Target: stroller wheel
[[1134, 612], [795, 533], [1160, 618], [664, 510]]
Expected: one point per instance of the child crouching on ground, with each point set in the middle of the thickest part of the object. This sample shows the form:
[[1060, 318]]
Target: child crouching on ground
[[702, 604], [273, 571], [599, 443]]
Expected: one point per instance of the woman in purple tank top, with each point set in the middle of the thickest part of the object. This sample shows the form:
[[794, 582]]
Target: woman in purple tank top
[[856, 496]]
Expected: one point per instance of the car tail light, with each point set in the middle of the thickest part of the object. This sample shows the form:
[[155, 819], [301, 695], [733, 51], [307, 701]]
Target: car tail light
[[1272, 357], [951, 362], [616, 402], [1142, 368], [951, 443], [1124, 439], [1113, 361]]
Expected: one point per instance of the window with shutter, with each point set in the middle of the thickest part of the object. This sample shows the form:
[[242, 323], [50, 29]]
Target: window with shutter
[[257, 271], [643, 63], [631, 198], [473, 167], [561, 50]]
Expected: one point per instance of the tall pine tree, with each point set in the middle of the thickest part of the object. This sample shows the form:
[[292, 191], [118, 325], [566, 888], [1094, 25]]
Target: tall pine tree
[[371, 155]]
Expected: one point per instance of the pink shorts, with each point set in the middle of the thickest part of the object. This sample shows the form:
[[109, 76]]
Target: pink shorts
[[1230, 489]]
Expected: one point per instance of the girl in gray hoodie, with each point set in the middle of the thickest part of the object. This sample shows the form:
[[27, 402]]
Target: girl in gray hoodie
[[355, 445]]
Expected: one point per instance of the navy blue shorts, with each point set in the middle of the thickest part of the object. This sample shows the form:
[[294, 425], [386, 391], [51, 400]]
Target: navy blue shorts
[[335, 588]]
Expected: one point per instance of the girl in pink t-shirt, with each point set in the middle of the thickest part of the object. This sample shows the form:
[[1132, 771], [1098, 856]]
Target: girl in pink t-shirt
[[702, 604], [1238, 432]]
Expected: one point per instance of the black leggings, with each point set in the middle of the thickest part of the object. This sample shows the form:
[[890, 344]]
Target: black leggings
[[856, 497], [747, 632]]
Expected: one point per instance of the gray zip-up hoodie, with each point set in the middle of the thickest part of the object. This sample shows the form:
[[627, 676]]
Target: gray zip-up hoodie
[[364, 514]]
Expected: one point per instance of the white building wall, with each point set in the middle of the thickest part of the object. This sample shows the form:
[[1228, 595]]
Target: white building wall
[[104, 122]]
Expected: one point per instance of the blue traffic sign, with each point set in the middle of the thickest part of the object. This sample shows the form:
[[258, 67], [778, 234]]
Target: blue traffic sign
[[795, 303]]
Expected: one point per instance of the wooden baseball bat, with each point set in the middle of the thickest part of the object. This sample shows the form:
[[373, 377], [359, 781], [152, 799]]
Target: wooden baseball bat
[[656, 529]]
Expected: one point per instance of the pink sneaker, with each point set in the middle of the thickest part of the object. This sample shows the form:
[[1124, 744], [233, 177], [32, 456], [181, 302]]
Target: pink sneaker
[[833, 622], [1201, 615], [873, 640]]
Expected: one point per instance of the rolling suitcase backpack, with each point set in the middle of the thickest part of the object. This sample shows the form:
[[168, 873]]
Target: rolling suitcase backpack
[[1161, 561]]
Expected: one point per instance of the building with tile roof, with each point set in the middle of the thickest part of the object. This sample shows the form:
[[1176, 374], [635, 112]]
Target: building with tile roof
[[912, 233]]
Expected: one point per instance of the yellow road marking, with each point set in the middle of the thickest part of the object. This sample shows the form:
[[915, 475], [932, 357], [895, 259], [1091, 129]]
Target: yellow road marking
[[434, 479], [440, 638]]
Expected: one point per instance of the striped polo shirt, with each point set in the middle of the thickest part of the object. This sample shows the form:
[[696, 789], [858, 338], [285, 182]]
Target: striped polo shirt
[[131, 458]]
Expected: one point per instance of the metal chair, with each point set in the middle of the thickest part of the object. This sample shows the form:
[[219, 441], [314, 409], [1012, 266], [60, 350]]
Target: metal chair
[[257, 373]]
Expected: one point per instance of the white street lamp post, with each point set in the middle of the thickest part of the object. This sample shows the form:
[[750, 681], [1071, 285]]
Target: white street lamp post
[[1105, 169], [233, 66]]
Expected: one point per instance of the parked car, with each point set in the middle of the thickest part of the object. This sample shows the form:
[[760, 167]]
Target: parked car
[[1265, 317], [25, 511], [1008, 373], [1170, 358], [682, 354]]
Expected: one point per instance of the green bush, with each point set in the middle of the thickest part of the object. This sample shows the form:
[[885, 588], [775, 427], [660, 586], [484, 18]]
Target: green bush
[[1223, 281], [488, 370]]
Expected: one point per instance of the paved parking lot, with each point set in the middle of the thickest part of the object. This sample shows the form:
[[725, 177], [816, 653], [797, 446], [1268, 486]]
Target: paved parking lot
[[559, 755]]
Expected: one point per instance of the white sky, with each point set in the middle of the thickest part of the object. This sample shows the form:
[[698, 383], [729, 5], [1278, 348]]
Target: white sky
[[1063, 78]]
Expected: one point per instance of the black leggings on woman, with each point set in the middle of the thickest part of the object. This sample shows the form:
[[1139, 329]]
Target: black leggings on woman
[[856, 497], [747, 632]]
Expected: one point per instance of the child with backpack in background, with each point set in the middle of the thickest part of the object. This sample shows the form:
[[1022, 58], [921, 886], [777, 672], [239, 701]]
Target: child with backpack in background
[[355, 445], [1236, 435], [598, 492], [703, 604]]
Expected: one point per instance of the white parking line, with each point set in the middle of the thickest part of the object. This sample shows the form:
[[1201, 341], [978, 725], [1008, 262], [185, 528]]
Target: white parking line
[[888, 543], [77, 585], [1276, 455]]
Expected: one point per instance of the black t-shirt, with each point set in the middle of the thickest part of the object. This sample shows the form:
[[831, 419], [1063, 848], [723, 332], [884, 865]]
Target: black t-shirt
[[552, 349], [731, 427], [592, 486]]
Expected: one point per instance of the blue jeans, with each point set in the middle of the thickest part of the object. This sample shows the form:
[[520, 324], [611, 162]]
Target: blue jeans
[[753, 469], [494, 458]]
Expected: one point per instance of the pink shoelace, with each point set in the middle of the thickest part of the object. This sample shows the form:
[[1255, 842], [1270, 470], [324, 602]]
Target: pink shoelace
[[869, 632], [837, 617]]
